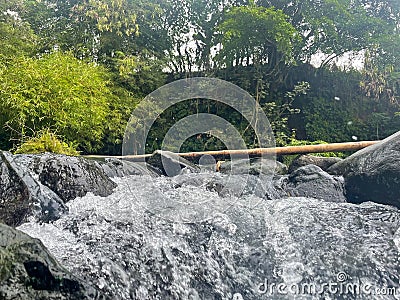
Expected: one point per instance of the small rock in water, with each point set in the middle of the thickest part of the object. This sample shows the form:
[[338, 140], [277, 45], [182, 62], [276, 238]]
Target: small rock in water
[[170, 164], [254, 166], [311, 181], [303, 160], [113, 167]]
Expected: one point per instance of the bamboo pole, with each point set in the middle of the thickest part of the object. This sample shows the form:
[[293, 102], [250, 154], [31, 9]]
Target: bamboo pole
[[288, 150]]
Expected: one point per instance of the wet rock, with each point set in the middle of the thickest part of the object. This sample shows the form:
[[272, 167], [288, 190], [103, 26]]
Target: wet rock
[[281, 168], [312, 182], [373, 173], [22, 196], [113, 167], [170, 164], [70, 177], [38, 186], [28, 271], [228, 185], [14, 196], [254, 166], [303, 160], [308, 181]]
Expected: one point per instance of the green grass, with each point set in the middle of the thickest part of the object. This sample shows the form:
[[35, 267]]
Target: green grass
[[46, 141], [287, 159]]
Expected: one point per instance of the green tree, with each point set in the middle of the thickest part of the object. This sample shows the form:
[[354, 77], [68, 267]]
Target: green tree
[[253, 35], [336, 27], [89, 28], [17, 38], [57, 91], [381, 82]]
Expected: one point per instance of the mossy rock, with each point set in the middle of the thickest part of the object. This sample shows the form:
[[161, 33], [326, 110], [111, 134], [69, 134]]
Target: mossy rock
[[28, 271]]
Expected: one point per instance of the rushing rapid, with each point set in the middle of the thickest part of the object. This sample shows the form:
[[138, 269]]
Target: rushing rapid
[[243, 247]]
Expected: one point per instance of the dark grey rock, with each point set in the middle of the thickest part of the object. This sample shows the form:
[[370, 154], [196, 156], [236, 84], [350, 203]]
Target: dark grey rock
[[373, 173], [281, 168], [303, 160], [113, 167], [39, 185], [22, 195], [254, 166], [236, 185], [28, 271], [170, 164], [312, 182], [70, 177], [308, 181], [14, 195]]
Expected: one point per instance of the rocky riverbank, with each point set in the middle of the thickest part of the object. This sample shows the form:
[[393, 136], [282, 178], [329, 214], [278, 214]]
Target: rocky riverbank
[[38, 189]]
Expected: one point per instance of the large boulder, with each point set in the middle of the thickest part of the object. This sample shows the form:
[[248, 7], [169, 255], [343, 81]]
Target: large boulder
[[14, 195], [373, 173], [39, 185], [28, 271], [70, 177], [303, 160], [22, 196]]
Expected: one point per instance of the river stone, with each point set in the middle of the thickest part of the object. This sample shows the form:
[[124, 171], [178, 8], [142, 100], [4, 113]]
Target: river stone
[[224, 185], [170, 164], [28, 271], [70, 177], [373, 173], [38, 186], [254, 166], [303, 160], [23, 196], [312, 182], [14, 196], [114, 167]]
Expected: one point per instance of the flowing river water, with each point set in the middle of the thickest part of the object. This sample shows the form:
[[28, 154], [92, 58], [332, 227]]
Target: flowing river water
[[240, 247]]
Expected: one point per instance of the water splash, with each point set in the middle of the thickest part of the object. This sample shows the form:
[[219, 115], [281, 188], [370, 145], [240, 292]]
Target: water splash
[[130, 253]]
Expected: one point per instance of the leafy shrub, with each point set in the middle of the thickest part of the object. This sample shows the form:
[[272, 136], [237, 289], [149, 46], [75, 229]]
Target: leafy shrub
[[46, 141], [56, 91]]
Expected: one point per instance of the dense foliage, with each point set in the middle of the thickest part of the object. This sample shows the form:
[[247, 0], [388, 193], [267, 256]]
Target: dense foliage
[[79, 67], [56, 91], [46, 141]]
